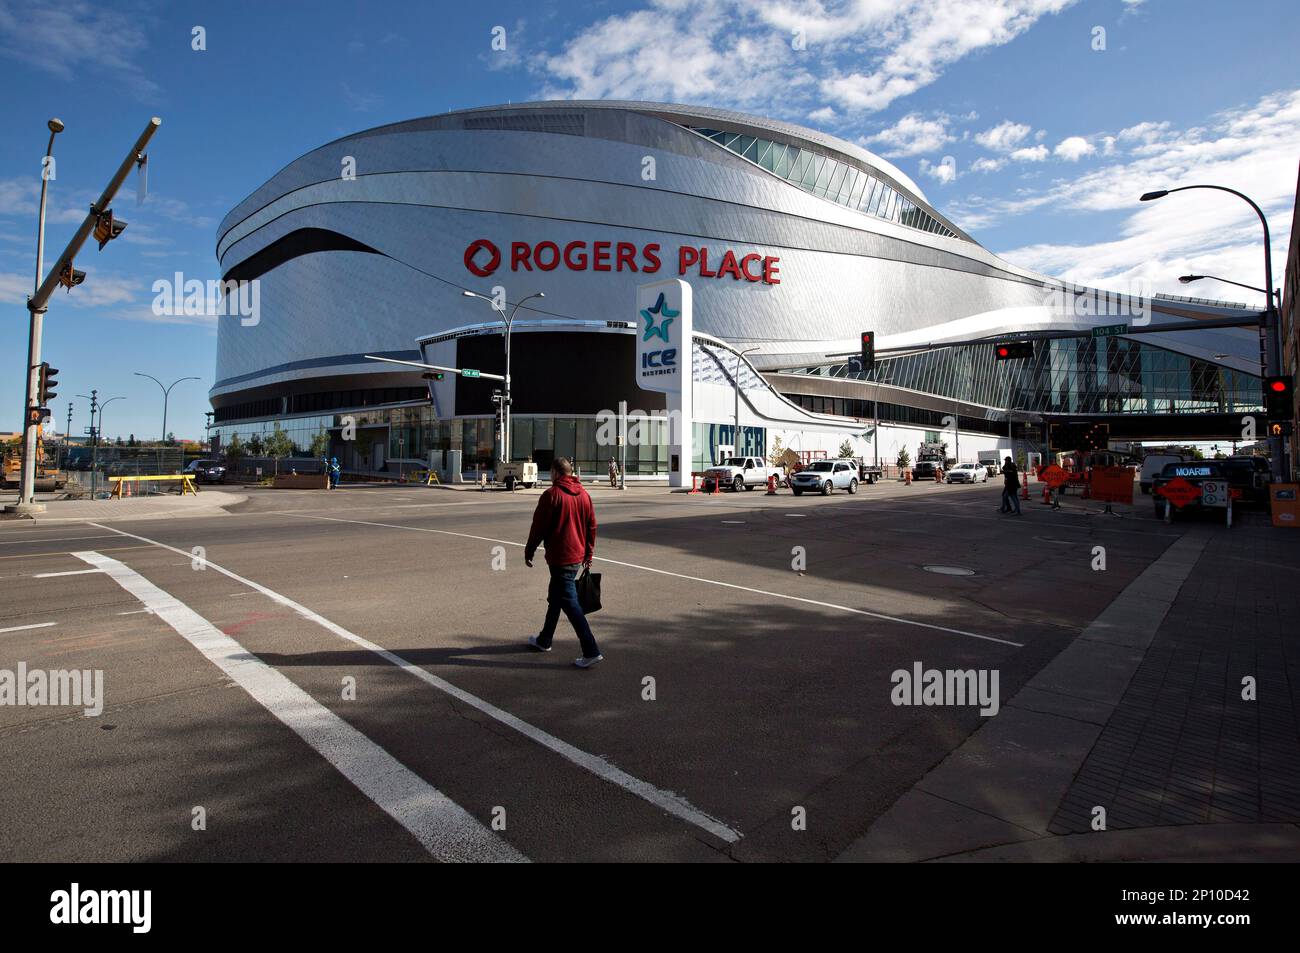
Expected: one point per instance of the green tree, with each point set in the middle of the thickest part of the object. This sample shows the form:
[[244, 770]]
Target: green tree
[[846, 450], [255, 445], [278, 445], [130, 441], [904, 459], [320, 443], [235, 449]]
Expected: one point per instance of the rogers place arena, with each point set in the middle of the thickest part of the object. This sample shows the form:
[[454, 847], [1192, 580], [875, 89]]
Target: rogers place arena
[[773, 246]]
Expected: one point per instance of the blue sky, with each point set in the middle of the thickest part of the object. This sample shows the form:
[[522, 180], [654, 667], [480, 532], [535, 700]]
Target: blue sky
[[1018, 118]]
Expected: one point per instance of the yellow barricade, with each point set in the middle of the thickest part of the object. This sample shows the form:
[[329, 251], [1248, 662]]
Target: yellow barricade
[[186, 480]]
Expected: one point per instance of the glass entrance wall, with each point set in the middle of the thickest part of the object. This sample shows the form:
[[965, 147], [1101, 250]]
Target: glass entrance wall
[[1111, 375]]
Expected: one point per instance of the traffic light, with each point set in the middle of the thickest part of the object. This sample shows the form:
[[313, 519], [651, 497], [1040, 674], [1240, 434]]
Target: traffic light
[[48, 381], [70, 277], [1279, 397], [106, 229], [434, 376], [1013, 350], [868, 350]]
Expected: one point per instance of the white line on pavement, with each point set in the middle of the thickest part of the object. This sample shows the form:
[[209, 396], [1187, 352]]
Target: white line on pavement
[[711, 582], [36, 625], [443, 827], [70, 572], [672, 803], [49, 539]]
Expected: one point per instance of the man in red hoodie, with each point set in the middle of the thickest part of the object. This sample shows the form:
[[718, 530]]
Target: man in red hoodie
[[565, 521]]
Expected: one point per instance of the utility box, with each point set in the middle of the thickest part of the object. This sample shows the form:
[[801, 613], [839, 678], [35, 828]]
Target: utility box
[[1284, 505]]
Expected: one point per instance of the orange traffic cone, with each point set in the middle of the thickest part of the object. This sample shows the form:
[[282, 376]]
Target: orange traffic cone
[[771, 484], [907, 476]]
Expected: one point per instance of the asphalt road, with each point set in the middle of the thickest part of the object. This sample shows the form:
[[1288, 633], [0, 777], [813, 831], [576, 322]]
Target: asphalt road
[[225, 671]]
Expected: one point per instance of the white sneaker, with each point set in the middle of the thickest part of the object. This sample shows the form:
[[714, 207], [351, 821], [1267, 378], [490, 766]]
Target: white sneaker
[[585, 662], [532, 640]]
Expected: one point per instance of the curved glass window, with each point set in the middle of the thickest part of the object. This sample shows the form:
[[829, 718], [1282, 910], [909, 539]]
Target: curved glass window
[[827, 178]]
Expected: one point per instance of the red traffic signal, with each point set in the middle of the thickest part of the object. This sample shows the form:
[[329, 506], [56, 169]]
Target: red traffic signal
[[868, 350], [1013, 350], [1279, 398]]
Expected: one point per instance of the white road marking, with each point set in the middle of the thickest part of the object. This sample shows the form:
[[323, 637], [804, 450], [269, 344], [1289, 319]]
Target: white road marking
[[136, 612], [35, 625], [666, 800], [444, 828], [49, 539], [678, 575], [71, 572]]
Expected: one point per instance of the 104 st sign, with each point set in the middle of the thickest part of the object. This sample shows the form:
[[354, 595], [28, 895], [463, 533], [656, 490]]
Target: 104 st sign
[[483, 257]]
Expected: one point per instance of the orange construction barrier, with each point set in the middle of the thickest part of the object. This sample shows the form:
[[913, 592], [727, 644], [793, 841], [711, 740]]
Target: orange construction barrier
[[907, 476], [695, 483], [771, 484]]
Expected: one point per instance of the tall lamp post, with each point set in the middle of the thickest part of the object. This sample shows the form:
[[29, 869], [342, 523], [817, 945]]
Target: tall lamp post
[[1273, 344], [166, 389], [1188, 279], [735, 439], [505, 397], [27, 495]]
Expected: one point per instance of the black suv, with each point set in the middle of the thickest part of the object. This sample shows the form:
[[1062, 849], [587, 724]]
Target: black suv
[[206, 471]]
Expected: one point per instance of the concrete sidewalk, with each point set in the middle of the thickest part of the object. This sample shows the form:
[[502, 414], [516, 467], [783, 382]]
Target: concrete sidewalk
[[135, 508], [1141, 716]]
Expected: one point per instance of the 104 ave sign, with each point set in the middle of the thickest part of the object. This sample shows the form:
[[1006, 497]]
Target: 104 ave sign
[[483, 258]]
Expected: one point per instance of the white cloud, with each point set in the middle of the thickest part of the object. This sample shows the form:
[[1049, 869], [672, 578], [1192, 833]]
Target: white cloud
[[912, 135], [985, 164], [1074, 148], [857, 58], [1003, 137], [944, 172], [1036, 153], [1252, 149], [73, 40]]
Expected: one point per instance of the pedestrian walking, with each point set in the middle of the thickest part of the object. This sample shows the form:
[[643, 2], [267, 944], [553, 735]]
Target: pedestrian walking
[[1010, 486], [613, 473], [565, 522], [335, 472]]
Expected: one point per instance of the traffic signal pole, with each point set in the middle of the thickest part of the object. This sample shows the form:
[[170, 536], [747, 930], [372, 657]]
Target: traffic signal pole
[[38, 303]]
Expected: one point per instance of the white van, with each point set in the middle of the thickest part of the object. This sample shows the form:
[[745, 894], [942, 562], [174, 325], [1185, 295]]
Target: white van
[[1153, 463]]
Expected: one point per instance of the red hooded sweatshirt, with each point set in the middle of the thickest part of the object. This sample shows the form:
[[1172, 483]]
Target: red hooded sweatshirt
[[565, 521]]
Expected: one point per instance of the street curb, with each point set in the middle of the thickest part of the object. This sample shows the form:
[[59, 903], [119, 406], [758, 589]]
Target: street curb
[[1002, 786]]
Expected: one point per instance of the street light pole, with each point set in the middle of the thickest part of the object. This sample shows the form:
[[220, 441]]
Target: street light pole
[[38, 303], [1273, 343], [1188, 279], [166, 393], [27, 478], [735, 438], [505, 397]]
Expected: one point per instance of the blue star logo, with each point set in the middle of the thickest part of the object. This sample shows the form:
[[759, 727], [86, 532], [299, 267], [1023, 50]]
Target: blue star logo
[[667, 315]]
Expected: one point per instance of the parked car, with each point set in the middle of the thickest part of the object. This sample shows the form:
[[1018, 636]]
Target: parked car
[[967, 473], [741, 473], [1249, 477], [1152, 464], [1195, 472], [826, 476], [206, 471]]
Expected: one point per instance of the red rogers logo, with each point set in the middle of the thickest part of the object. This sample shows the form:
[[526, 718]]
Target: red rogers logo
[[624, 256], [494, 257]]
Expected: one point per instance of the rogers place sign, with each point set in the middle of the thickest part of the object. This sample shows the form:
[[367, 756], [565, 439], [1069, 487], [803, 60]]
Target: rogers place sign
[[483, 258]]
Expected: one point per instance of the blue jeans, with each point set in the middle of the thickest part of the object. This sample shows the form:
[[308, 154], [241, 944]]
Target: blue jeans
[[562, 596], [1009, 496]]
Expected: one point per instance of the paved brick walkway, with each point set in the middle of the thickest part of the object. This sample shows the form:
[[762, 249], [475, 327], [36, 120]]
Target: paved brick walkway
[[1184, 747]]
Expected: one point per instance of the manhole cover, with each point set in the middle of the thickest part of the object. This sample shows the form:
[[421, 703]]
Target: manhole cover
[[949, 570]]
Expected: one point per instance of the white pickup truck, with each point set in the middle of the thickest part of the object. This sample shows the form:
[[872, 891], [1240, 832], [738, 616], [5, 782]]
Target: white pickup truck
[[741, 472]]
